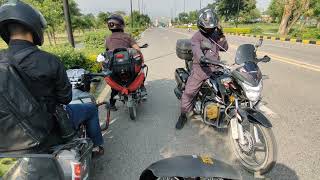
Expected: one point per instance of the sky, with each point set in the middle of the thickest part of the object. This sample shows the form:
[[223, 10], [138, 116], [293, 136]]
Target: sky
[[154, 8]]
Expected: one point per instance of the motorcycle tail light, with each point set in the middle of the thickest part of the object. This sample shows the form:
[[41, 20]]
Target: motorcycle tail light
[[119, 56], [76, 171]]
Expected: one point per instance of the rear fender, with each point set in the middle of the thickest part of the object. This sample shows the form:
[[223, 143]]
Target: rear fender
[[254, 116], [190, 166]]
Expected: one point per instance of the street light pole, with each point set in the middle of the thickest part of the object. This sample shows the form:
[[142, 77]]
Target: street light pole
[[238, 14], [131, 15], [66, 11]]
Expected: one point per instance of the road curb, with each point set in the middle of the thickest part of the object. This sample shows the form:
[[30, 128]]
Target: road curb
[[291, 40]]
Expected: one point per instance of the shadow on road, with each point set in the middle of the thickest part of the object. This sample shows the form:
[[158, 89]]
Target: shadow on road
[[283, 172]]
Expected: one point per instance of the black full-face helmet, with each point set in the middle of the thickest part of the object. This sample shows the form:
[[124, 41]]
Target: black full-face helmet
[[16, 11], [115, 22], [208, 21]]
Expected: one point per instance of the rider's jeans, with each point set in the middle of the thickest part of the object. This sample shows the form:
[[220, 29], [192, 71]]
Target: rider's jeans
[[87, 114]]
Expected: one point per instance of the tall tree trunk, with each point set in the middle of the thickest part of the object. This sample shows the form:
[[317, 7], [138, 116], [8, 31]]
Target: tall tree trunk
[[54, 35], [288, 10], [49, 38]]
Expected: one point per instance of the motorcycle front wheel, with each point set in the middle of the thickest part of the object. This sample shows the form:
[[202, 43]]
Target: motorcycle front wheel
[[259, 152], [133, 113]]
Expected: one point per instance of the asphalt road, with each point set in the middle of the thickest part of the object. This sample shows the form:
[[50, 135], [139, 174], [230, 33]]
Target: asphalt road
[[291, 94]]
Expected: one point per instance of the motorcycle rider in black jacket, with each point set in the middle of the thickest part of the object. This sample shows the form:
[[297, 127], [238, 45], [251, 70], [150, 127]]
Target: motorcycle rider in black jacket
[[22, 28]]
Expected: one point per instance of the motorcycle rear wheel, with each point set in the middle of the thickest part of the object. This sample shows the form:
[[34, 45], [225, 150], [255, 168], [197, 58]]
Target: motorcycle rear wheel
[[133, 113], [250, 162]]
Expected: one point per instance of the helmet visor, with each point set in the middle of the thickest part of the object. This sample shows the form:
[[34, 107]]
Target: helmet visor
[[209, 19]]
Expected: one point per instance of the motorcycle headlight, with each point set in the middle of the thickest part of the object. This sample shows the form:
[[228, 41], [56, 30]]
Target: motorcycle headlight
[[253, 93]]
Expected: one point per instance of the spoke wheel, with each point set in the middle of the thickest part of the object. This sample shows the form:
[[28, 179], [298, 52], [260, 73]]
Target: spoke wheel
[[259, 152]]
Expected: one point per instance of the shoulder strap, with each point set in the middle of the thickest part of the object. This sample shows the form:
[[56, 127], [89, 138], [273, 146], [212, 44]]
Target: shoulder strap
[[17, 59]]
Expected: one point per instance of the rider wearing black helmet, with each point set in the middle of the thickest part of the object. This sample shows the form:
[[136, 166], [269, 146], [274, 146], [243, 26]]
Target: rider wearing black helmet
[[22, 28], [44, 75], [209, 31], [119, 39]]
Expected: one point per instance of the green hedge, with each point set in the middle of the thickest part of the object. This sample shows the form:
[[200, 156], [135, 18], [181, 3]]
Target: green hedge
[[95, 39], [237, 30], [71, 57]]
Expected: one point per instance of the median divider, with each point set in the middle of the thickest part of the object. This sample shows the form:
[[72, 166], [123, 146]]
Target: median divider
[[292, 40]]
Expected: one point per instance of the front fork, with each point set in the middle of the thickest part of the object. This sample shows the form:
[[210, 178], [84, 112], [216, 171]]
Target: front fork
[[237, 128]]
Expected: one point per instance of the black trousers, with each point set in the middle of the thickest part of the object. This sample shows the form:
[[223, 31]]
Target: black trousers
[[113, 94]]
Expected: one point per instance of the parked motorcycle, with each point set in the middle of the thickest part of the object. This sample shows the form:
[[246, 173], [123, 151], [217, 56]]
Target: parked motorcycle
[[127, 74], [70, 161], [230, 98]]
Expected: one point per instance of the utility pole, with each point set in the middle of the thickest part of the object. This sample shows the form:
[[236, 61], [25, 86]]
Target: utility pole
[[139, 6], [200, 4], [184, 6], [66, 11], [131, 15], [238, 14]]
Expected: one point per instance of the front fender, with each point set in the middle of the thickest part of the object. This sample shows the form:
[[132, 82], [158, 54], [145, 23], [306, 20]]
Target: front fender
[[188, 167], [255, 116]]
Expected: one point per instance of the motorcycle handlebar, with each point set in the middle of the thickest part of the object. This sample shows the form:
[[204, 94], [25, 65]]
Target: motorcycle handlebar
[[105, 74]]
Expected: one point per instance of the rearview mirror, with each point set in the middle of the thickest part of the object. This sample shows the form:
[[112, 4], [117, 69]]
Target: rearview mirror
[[205, 45], [259, 43]]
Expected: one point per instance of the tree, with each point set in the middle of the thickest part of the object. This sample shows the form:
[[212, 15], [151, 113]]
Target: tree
[[184, 18], [230, 8], [102, 18], [315, 7], [293, 10], [275, 10]]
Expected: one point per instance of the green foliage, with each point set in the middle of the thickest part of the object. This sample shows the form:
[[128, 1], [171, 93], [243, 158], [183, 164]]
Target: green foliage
[[102, 19], [71, 57], [139, 20], [5, 165], [257, 30], [229, 8], [95, 39], [237, 30], [307, 33], [184, 18], [250, 16], [276, 9]]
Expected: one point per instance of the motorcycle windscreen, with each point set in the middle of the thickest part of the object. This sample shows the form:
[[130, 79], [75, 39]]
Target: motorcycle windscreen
[[245, 53], [190, 167], [250, 74]]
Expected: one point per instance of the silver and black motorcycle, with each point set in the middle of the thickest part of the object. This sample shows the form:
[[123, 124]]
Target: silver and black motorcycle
[[230, 98], [68, 161]]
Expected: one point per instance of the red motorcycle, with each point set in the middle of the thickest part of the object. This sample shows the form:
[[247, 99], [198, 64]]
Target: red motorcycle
[[126, 74]]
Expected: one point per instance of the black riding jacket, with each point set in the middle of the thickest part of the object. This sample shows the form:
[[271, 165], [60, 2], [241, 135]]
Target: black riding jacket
[[47, 76]]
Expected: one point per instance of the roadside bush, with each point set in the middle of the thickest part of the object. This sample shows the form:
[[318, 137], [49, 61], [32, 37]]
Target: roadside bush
[[307, 33], [237, 30], [257, 30], [95, 39], [71, 57]]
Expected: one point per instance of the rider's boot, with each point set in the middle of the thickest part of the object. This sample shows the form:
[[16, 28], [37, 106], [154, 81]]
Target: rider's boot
[[144, 92], [113, 104], [181, 121]]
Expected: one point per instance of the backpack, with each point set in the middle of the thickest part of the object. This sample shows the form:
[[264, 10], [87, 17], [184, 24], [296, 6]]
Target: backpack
[[125, 65], [24, 122]]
